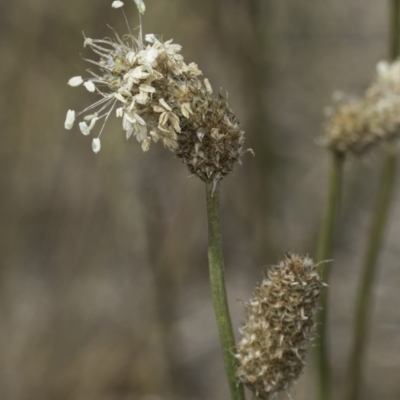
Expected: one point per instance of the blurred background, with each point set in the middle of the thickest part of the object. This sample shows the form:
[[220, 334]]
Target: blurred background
[[104, 281]]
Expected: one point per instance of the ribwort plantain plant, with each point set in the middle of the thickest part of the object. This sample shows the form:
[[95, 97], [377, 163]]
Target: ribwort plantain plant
[[279, 327], [161, 98]]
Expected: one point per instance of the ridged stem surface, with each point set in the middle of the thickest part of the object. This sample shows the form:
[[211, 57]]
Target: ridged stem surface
[[375, 239], [220, 301], [324, 253]]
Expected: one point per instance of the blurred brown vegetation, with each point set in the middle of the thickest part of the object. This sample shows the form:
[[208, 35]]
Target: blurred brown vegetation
[[104, 292]]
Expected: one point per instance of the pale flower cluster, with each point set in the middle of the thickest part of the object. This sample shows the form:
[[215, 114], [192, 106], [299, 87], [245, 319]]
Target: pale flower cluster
[[132, 83], [356, 125], [159, 97], [279, 327]]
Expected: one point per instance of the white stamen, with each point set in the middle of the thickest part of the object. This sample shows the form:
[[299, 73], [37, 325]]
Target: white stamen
[[69, 120], [87, 41], [89, 85], [105, 120], [84, 128], [96, 145], [117, 4], [75, 81], [94, 120], [119, 112], [104, 107], [127, 24], [90, 117], [140, 5], [94, 105], [150, 37]]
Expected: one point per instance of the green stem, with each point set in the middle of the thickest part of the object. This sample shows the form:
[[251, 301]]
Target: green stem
[[217, 279], [325, 248], [394, 39], [370, 265], [375, 239]]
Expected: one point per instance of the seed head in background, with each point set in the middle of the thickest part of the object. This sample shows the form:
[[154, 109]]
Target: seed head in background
[[160, 98], [279, 327], [357, 125]]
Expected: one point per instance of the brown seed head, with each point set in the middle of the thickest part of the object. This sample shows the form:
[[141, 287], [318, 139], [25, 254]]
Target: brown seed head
[[211, 140], [279, 326]]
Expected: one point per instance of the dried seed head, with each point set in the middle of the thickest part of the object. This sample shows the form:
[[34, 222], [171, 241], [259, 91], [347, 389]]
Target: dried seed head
[[357, 125], [160, 97], [210, 141], [279, 327]]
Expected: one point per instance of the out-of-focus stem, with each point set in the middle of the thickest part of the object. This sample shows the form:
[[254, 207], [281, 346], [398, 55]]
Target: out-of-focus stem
[[365, 290], [394, 39], [324, 253], [217, 280], [375, 239]]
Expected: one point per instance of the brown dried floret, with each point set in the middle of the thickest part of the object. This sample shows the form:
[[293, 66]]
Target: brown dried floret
[[279, 327], [211, 140]]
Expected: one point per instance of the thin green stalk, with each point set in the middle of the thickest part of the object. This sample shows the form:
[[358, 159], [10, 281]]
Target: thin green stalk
[[378, 228], [394, 39], [217, 279], [324, 253], [369, 273]]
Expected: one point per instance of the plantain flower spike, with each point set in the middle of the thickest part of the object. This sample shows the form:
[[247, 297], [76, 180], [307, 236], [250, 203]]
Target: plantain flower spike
[[160, 97], [279, 327], [357, 125]]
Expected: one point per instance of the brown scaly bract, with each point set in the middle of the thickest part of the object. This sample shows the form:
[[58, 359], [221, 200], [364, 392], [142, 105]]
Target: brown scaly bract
[[211, 140], [160, 97], [357, 125], [279, 327]]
